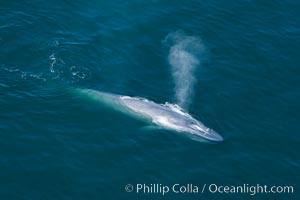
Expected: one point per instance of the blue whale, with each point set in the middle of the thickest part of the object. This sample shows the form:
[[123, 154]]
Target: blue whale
[[167, 116]]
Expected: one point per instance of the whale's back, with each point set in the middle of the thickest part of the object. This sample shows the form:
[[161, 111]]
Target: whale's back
[[160, 114]]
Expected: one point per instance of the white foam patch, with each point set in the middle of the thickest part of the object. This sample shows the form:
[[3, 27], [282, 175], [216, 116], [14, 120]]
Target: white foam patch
[[176, 108], [57, 70]]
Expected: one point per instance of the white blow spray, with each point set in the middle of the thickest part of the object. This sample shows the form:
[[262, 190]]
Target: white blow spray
[[184, 56]]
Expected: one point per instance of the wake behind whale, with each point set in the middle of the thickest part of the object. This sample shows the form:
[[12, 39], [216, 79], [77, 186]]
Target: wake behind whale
[[166, 116]]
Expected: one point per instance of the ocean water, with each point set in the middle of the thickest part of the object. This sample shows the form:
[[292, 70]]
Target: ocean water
[[234, 65]]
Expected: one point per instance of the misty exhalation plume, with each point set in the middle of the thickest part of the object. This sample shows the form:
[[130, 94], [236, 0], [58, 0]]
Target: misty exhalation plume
[[184, 56]]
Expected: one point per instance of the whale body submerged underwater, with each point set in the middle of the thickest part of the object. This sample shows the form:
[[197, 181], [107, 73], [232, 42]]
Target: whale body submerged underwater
[[167, 116]]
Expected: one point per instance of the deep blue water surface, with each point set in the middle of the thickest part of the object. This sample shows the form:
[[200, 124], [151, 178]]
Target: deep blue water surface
[[243, 82]]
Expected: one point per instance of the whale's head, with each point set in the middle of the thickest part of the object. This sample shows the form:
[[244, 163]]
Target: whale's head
[[192, 128], [199, 131]]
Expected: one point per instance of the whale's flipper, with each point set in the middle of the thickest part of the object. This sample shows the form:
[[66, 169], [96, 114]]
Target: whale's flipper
[[150, 128]]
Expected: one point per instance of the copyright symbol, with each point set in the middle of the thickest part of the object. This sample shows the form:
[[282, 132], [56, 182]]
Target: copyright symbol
[[129, 188]]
